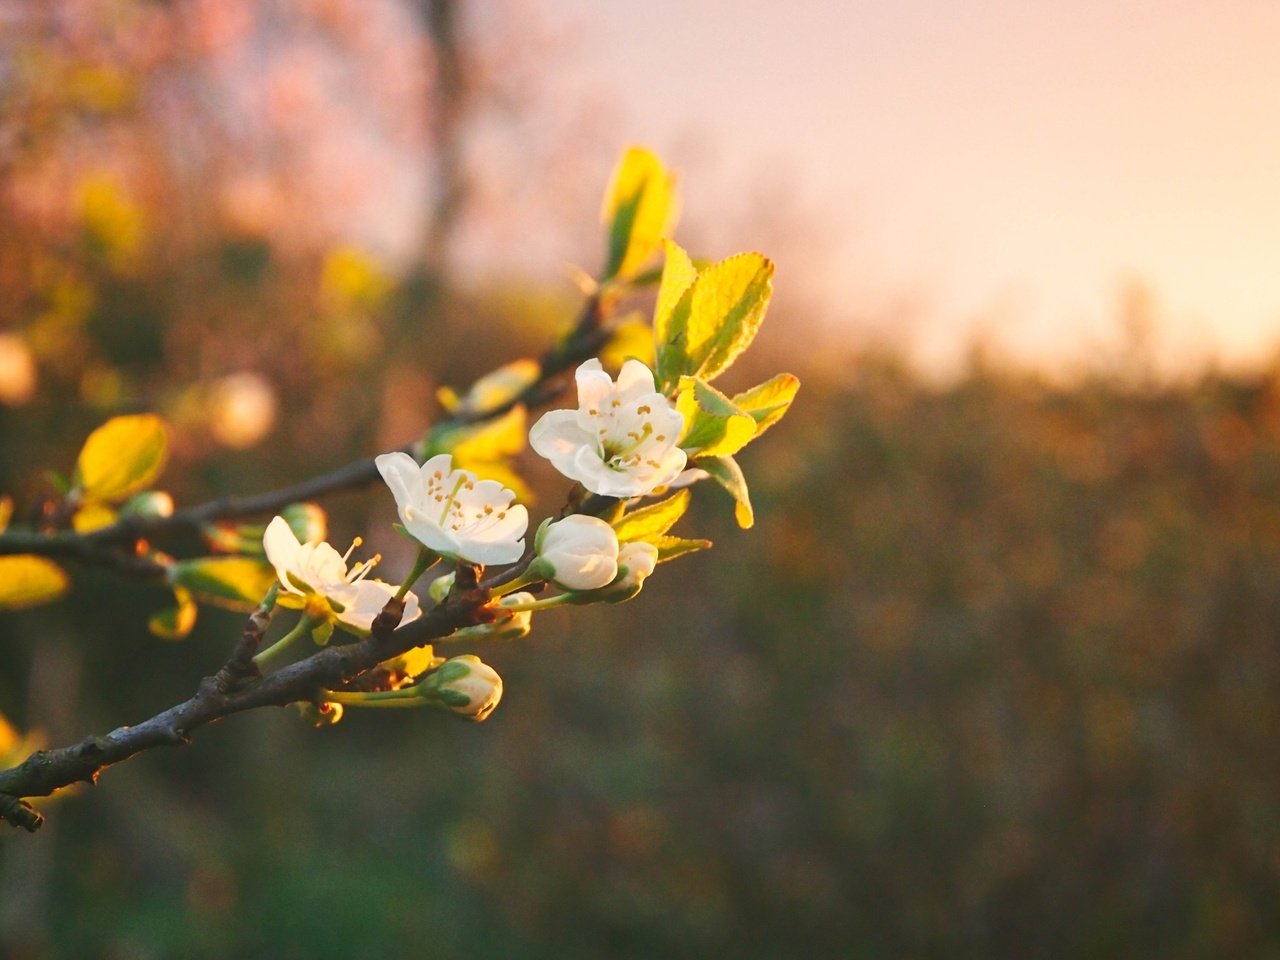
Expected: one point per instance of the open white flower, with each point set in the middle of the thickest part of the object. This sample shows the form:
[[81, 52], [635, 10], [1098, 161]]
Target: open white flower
[[621, 441], [317, 575], [451, 512], [581, 552]]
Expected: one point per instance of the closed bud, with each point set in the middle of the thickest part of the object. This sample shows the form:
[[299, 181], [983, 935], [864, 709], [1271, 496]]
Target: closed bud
[[151, 503], [308, 521], [579, 552], [636, 561], [466, 685]]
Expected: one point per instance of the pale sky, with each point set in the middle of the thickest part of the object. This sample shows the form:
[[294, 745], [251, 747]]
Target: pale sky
[[1003, 166]]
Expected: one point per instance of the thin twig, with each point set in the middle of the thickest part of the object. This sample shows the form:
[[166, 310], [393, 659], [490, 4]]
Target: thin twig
[[101, 546]]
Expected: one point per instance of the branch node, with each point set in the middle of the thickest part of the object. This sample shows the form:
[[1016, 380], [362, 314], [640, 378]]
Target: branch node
[[19, 813]]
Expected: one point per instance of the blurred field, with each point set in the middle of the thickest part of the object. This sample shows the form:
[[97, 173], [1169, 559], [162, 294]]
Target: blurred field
[[994, 676]]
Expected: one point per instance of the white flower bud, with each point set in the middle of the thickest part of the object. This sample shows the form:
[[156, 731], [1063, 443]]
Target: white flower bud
[[637, 560], [151, 503], [580, 551], [466, 685]]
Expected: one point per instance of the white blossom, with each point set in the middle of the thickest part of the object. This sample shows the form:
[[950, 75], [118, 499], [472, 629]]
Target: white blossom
[[581, 552], [453, 513], [315, 571], [621, 441]]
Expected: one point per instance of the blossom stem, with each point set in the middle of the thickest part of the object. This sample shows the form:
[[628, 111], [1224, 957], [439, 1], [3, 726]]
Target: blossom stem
[[426, 559], [545, 604], [525, 578], [407, 697], [304, 626]]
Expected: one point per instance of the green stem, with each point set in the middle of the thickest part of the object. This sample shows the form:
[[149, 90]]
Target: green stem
[[530, 575], [375, 698], [545, 604], [304, 626], [425, 561]]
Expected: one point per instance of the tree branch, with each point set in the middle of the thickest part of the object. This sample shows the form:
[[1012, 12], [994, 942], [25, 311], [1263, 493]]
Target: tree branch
[[103, 547], [228, 693]]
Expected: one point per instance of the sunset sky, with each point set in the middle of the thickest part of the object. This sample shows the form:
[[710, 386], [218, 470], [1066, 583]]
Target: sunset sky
[[996, 166]]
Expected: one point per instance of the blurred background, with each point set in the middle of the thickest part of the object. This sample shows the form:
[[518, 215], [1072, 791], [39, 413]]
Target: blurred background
[[994, 675]]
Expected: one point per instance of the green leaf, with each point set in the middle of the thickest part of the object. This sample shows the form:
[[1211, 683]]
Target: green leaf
[[631, 339], [494, 389], [726, 472], [28, 581], [412, 663], [237, 583], [729, 301], [714, 426], [671, 547], [769, 401], [122, 457], [639, 210], [671, 315], [653, 520], [176, 622]]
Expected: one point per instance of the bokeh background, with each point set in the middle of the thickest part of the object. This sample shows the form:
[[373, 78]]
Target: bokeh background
[[995, 674]]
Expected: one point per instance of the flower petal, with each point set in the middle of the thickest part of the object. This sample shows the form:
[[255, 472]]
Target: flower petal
[[282, 549], [366, 601], [594, 385], [634, 381], [558, 437], [403, 476]]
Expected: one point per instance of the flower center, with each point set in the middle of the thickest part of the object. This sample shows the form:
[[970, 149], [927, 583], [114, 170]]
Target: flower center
[[620, 448]]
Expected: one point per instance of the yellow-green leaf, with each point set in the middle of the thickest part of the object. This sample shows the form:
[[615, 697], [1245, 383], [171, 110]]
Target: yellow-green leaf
[[726, 472], [28, 581], [412, 663], [713, 425], [92, 516], [121, 457], [671, 547], [768, 401], [653, 520], [630, 340], [639, 210], [493, 389], [14, 745], [177, 621], [728, 303], [671, 315], [491, 440], [237, 583]]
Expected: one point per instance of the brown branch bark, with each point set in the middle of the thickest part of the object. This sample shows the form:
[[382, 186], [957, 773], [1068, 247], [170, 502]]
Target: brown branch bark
[[223, 695]]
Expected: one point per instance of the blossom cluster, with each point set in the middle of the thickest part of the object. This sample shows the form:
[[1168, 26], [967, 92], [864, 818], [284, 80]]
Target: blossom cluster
[[621, 442]]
